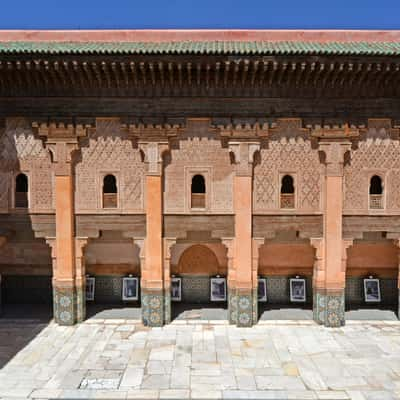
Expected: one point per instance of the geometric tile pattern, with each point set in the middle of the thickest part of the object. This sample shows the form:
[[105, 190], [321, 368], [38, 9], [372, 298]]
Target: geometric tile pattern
[[153, 307]]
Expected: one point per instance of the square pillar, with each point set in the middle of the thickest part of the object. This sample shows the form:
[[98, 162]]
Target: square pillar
[[243, 297], [331, 273], [68, 286], [152, 285]]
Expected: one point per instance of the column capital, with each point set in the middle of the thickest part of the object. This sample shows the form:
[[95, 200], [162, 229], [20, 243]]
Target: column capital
[[335, 142], [153, 152], [61, 140], [243, 154]]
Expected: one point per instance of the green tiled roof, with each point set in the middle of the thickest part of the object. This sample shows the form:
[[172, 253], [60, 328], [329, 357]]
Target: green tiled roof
[[210, 47]]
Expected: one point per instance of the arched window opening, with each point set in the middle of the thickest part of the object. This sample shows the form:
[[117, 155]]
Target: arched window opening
[[376, 193], [198, 191], [110, 192], [287, 192], [21, 191]]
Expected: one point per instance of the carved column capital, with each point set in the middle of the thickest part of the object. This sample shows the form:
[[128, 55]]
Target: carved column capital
[[61, 140], [334, 156], [243, 153], [153, 152]]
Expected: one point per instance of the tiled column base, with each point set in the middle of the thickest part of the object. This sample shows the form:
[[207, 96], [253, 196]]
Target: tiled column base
[[328, 307], [153, 307], [242, 309], [65, 305], [167, 305], [80, 303]]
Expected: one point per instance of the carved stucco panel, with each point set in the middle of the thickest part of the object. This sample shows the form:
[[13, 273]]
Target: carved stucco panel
[[372, 155], [288, 155], [22, 151], [199, 153], [109, 151]]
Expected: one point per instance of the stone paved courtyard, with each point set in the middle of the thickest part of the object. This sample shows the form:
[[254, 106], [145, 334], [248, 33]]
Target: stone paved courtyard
[[120, 359]]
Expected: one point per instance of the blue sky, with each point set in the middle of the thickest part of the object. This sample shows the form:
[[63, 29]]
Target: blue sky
[[140, 14]]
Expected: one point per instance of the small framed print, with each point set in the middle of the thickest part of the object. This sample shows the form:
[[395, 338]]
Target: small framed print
[[176, 289], [130, 289], [90, 286], [297, 290], [262, 290], [218, 289], [372, 290]]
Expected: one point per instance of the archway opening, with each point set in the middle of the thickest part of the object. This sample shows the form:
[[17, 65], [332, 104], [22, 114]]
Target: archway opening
[[198, 192], [287, 192], [21, 191], [199, 283], [110, 192], [376, 192]]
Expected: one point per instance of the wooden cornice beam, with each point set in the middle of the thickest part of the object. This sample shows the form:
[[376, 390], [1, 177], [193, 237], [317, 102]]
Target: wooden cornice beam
[[90, 79], [125, 74], [236, 67], [253, 74], [171, 74], [189, 73], [273, 72], [226, 73], [115, 74], [106, 73], [180, 75], [142, 68], [133, 71], [198, 74], [217, 73], [263, 73], [245, 70], [77, 70], [152, 73], [161, 73], [300, 73]]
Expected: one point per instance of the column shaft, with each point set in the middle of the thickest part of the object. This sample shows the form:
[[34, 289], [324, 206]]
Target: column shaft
[[152, 275]]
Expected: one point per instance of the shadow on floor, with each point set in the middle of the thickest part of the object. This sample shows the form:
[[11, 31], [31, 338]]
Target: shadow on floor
[[113, 311], [365, 312], [195, 311], [284, 312], [19, 325]]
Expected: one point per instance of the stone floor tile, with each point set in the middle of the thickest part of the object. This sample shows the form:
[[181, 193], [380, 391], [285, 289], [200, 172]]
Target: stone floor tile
[[206, 394], [174, 394], [141, 394], [132, 378], [332, 395], [45, 393], [155, 382]]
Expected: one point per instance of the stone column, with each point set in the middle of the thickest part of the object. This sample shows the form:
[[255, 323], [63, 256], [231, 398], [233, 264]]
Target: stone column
[[62, 140], [229, 243], [80, 279], [242, 199], [152, 274], [397, 244], [3, 241], [329, 297], [168, 244]]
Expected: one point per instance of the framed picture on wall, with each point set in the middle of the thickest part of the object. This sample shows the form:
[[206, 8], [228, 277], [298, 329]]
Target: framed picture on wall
[[130, 289], [262, 290], [372, 290], [297, 290], [176, 289], [218, 289], [90, 286]]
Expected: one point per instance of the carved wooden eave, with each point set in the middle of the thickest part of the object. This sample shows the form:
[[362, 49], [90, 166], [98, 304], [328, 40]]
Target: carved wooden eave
[[152, 132], [53, 130], [380, 128], [335, 133], [175, 75], [244, 132]]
